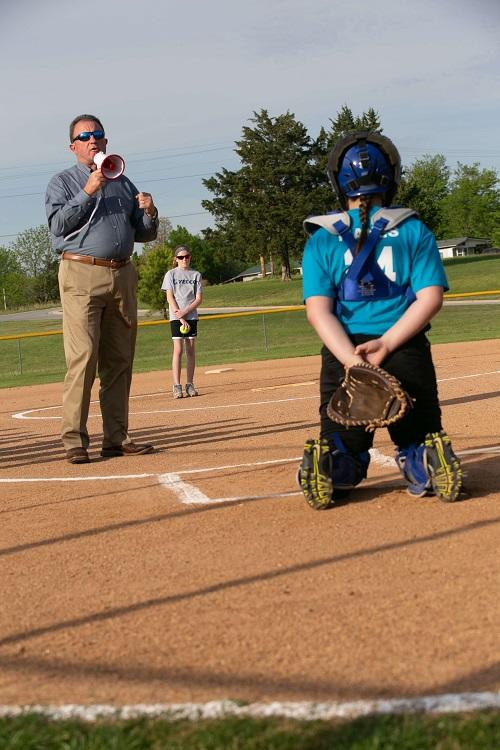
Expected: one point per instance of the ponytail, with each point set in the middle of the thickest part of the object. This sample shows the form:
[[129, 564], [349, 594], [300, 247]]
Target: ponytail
[[365, 203]]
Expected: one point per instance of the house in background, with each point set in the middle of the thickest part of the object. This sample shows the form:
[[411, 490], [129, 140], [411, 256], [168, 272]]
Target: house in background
[[255, 272], [459, 246]]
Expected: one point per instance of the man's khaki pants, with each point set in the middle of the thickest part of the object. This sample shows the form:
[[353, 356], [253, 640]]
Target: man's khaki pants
[[99, 327]]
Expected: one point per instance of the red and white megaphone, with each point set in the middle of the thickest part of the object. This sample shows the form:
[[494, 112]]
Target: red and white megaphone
[[111, 165]]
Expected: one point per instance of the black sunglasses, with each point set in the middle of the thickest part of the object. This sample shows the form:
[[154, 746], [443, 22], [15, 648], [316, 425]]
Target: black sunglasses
[[182, 257], [87, 135]]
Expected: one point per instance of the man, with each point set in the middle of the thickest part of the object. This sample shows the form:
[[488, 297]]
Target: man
[[94, 223]]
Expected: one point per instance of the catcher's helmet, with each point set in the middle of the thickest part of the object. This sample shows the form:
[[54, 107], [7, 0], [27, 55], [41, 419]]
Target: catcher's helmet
[[364, 163]]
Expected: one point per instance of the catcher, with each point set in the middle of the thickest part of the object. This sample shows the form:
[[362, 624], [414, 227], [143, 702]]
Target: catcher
[[372, 281]]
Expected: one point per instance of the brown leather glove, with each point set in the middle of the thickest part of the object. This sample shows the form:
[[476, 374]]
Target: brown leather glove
[[368, 397]]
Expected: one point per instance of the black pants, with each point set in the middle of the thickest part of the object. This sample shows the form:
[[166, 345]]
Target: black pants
[[413, 366]]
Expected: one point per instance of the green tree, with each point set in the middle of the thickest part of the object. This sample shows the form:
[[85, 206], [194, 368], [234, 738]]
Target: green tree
[[153, 267], [259, 209], [12, 280], [36, 258], [424, 186], [205, 255], [346, 122], [34, 250], [225, 264], [161, 242], [164, 230], [472, 208], [154, 264]]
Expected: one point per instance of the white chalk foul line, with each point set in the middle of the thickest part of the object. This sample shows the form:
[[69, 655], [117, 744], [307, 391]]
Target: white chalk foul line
[[21, 480], [465, 377], [285, 385], [300, 710], [189, 494], [96, 478], [473, 451], [27, 414]]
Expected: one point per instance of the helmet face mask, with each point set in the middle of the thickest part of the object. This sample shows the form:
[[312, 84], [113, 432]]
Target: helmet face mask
[[364, 163]]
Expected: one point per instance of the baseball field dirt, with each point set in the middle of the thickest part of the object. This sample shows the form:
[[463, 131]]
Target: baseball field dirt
[[199, 572]]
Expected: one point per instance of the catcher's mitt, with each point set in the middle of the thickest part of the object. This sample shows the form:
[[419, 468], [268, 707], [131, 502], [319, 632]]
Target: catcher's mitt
[[368, 397]]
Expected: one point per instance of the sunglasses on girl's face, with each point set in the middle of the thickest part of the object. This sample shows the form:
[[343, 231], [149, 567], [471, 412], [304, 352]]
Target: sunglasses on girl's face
[[183, 257], [87, 135]]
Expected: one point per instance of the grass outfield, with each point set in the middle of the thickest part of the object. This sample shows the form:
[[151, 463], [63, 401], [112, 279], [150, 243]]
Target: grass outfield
[[471, 274], [221, 341], [478, 731]]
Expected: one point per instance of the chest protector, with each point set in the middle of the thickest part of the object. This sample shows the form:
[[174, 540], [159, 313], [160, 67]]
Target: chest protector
[[364, 278]]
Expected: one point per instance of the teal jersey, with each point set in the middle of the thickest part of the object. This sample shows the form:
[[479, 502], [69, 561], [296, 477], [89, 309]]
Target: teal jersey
[[407, 254]]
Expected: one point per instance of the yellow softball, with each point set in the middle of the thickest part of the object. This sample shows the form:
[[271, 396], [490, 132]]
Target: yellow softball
[[185, 328]]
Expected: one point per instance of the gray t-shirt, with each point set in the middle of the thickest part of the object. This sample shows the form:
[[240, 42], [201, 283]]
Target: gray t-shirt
[[184, 285]]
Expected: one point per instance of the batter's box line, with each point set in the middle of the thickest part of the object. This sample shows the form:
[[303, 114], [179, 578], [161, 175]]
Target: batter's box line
[[189, 494], [185, 492]]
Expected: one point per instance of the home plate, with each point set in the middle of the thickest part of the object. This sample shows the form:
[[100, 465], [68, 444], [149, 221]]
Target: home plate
[[286, 385], [216, 372]]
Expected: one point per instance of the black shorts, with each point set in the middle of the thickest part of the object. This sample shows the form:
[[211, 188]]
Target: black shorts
[[175, 327]]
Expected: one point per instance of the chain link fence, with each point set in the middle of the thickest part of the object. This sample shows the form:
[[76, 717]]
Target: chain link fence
[[31, 358]]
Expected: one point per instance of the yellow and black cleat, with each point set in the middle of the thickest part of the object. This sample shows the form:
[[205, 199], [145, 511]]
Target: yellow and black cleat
[[314, 474], [443, 467]]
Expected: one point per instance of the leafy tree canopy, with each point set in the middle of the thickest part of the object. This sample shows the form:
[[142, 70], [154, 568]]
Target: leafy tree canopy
[[154, 264], [424, 185], [472, 207], [34, 251], [257, 207], [37, 260], [12, 280]]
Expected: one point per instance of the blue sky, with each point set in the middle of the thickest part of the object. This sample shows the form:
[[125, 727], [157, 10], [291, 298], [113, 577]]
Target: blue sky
[[174, 84]]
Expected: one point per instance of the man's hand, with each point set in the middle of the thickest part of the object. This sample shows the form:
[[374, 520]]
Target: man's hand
[[145, 201], [95, 182]]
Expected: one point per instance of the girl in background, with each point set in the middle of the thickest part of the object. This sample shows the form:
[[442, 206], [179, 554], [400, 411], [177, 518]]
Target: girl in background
[[183, 288]]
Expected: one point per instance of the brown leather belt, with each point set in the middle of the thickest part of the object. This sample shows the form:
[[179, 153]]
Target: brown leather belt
[[95, 261]]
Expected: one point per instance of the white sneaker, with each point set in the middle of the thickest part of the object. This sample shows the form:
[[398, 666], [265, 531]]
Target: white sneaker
[[177, 391], [191, 390]]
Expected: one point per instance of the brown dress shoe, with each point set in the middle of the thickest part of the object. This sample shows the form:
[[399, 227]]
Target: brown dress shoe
[[77, 456], [127, 449]]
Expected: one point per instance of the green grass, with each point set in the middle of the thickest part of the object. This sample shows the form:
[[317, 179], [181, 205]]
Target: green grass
[[235, 339], [464, 275], [254, 293], [465, 323], [471, 274], [479, 731], [241, 339]]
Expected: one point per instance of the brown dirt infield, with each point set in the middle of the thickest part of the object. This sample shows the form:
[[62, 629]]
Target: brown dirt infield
[[116, 591]]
